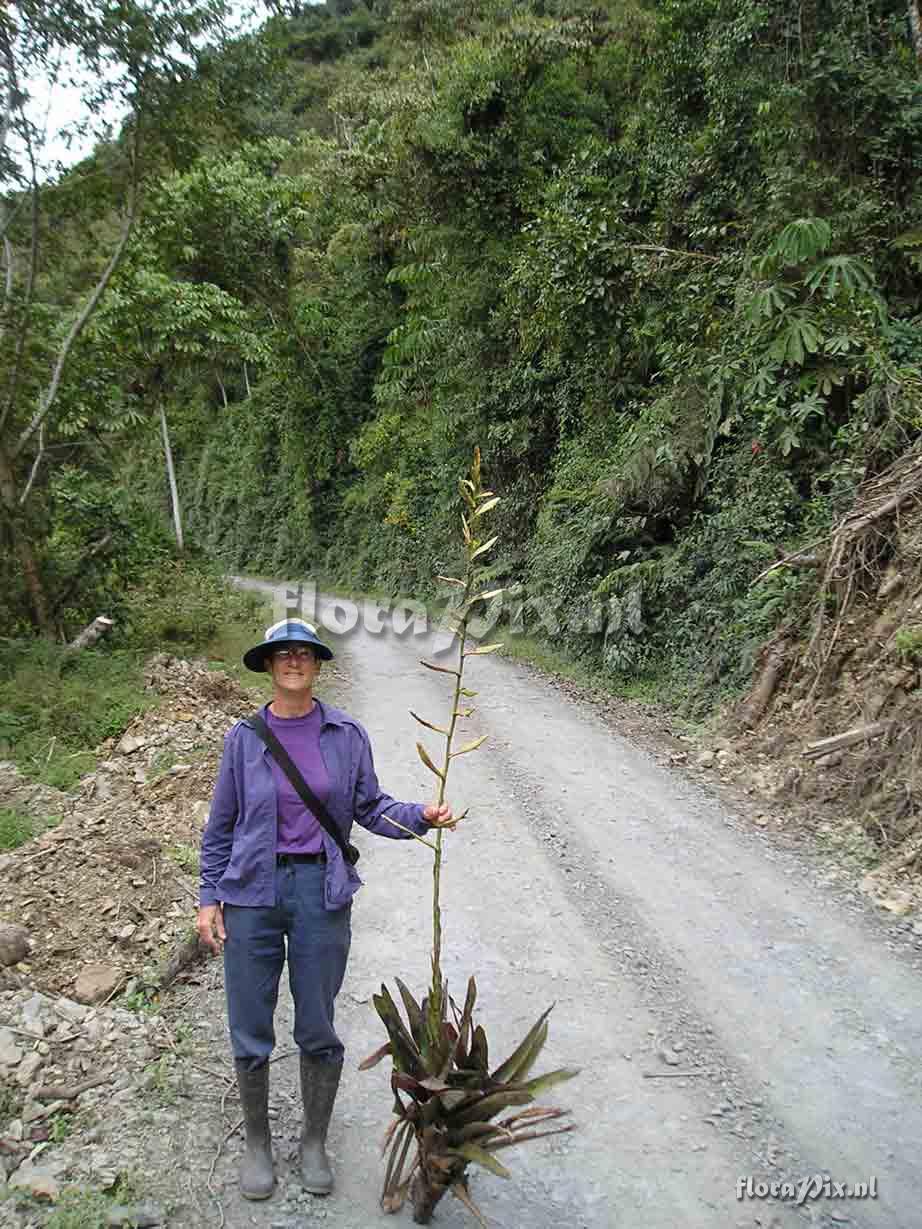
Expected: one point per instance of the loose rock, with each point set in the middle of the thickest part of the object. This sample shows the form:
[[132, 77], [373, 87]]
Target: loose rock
[[96, 982], [14, 944]]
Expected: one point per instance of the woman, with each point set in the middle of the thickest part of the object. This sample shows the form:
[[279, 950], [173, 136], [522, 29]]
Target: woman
[[270, 872]]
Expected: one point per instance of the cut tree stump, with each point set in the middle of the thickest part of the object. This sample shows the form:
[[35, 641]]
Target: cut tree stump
[[93, 632]]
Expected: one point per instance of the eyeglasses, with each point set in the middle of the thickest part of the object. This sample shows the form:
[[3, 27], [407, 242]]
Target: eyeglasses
[[289, 654]]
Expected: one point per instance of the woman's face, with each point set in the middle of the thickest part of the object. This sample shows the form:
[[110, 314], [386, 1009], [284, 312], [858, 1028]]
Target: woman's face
[[294, 668]]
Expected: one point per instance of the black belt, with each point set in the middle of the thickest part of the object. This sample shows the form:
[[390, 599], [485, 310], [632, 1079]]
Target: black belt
[[283, 858]]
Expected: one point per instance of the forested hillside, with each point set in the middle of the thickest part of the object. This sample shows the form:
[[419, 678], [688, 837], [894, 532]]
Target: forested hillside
[[661, 261]]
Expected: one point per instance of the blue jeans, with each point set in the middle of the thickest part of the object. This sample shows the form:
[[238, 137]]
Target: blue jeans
[[318, 946]]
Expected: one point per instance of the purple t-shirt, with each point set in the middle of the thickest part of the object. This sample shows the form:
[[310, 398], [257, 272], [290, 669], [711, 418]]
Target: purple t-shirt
[[299, 831]]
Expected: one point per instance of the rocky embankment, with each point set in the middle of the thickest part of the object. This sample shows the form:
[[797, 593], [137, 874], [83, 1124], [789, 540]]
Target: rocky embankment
[[95, 921]]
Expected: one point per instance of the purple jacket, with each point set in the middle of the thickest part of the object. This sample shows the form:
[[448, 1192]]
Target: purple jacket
[[239, 841]]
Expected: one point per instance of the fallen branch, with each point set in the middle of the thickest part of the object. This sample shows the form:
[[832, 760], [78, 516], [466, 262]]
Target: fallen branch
[[70, 1092], [663, 251], [861, 733], [773, 668], [185, 955], [799, 560]]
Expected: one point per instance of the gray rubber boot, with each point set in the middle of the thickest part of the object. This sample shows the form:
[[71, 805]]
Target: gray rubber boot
[[257, 1179], [319, 1084]]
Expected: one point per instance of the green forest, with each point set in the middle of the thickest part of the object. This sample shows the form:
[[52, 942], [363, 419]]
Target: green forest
[[661, 261]]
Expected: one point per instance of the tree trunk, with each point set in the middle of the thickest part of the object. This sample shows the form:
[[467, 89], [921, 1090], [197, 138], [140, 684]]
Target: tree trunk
[[774, 664], [915, 26], [23, 547], [171, 476]]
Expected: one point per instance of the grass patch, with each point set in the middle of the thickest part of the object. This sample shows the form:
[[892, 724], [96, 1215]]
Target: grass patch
[[83, 1208], [57, 706], [17, 827], [185, 857], [549, 658], [226, 648]]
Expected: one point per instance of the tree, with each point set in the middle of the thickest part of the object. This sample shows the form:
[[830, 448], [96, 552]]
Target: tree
[[131, 59], [163, 330]]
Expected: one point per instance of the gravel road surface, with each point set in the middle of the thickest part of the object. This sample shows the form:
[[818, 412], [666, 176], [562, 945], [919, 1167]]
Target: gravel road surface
[[671, 936]]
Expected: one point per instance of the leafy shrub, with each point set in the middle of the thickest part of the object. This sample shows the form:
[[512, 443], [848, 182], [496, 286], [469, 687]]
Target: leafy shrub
[[178, 605]]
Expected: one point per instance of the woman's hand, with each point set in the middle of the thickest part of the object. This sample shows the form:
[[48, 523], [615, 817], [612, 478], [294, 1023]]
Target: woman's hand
[[439, 816], [210, 927]]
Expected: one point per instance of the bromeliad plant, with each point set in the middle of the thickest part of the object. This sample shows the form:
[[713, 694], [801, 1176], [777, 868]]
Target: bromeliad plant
[[447, 1099]]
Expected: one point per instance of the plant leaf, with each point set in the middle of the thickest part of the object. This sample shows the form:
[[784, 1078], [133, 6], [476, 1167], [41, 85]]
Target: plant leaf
[[541, 1083], [471, 746], [405, 1051], [467, 1021], [483, 1108], [424, 756], [485, 547], [480, 1156], [486, 597], [408, 1084], [479, 1057], [460, 1191], [413, 1010], [373, 1059], [483, 648], [428, 724], [522, 1059], [441, 669], [451, 580], [491, 503]]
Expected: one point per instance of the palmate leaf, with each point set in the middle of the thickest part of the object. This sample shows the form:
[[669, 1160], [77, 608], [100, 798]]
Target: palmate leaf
[[842, 273], [798, 338], [800, 241]]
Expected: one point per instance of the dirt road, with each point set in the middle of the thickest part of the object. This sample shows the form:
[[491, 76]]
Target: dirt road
[[672, 938]]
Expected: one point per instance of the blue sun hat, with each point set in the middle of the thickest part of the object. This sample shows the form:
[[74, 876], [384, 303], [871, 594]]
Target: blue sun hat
[[288, 631]]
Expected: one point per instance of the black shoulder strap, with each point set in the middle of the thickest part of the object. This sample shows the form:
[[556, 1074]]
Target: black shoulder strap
[[305, 793]]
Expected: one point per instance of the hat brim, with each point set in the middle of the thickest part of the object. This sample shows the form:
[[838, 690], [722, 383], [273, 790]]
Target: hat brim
[[255, 659]]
